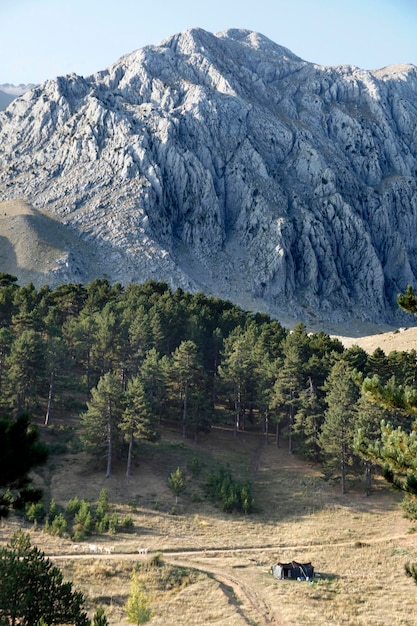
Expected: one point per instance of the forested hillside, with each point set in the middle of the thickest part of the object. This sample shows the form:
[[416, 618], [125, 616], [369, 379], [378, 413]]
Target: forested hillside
[[119, 361]]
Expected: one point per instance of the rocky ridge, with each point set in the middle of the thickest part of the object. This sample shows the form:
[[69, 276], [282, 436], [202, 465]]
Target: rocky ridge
[[9, 92], [227, 164]]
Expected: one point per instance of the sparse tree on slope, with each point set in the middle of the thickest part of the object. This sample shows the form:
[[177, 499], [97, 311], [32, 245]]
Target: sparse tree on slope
[[138, 607], [176, 483]]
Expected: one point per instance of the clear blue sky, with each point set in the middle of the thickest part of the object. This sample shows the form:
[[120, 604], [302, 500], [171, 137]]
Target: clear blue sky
[[41, 39]]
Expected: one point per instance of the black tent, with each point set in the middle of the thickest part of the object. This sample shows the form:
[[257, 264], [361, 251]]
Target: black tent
[[293, 570]]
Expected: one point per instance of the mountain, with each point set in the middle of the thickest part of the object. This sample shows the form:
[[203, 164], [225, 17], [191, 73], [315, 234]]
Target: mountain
[[9, 92], [5, 99], [225, 163]]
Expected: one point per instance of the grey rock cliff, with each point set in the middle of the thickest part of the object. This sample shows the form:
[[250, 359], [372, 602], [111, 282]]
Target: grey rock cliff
[[225, 163]]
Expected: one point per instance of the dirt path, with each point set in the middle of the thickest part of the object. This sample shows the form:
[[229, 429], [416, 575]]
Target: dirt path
[[249, 604], [247, 601]]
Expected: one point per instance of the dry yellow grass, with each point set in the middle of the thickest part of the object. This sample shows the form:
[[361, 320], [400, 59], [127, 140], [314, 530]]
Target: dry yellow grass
[[400, 339], [358, 545]]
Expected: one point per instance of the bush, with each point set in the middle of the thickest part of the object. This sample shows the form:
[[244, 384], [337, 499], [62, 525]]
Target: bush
[[35, 512], [102, 524], [73, 506], [103, 504], [409, 507], [127, 524], [411, 570], [58, 526], [113, 523], [230, 494], [83, 520], [194, 466]]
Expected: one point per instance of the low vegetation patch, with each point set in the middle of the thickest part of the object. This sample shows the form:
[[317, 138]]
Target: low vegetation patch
[[230, 494], [80, 518]]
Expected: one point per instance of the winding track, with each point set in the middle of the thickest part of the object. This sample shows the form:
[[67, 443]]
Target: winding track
[[248, 602]]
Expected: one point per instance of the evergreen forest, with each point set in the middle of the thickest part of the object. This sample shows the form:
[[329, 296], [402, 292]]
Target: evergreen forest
[[122, 361]]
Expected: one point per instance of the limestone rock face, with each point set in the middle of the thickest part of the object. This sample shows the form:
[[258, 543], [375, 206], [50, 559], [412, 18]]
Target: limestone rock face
[[224, 163]]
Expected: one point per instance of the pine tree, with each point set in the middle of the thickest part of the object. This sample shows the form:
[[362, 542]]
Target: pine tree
[[138, 607], [20, 451], [103, 415], [106, 345], [100, 618], [137, 421], [368, 433], [26, 370], [32, 588], [154, 373], [186, 377], [337, 432], [79, 333], [239, 373], [176, 482], [291, 377]]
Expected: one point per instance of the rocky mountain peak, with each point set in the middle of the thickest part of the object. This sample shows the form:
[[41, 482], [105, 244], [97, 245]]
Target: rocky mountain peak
[[227, 164]]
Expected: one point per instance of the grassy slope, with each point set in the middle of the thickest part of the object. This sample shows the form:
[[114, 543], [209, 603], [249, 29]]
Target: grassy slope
[[359, 545]]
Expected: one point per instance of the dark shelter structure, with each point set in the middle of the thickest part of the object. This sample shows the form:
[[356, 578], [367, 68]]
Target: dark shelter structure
[[293, 570]]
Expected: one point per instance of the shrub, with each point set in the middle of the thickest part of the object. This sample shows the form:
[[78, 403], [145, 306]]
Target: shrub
[[127, 524], [83, 520], [411, 570], [35, 512], [113, 523], [409, 507], [194, 466], [230, 494], [102, 524], [73, 506], [100, 618], [58, 526]]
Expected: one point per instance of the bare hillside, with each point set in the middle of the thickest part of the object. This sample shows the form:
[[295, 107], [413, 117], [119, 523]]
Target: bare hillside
[[401, 339], [37, 247]]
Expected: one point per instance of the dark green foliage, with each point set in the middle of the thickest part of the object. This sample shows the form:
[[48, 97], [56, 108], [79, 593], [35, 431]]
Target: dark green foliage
[[58, 526], [35, 512], [337, 432], [81, 518], [195, 466], [20, 451], [143, 354], [73, 506], [408, 300], [31, 588], [232, 495], [26, 370], [83, 521]]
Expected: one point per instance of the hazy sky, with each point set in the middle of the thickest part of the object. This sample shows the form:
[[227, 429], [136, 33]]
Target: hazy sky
[[41, 39]]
